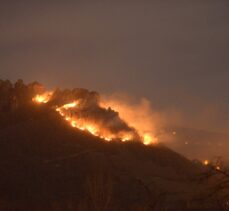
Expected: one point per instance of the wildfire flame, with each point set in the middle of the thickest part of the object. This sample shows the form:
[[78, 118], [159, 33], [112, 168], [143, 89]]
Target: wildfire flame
[[93, 127], [137, 116], [149, 139], [84, 125], [44, 98]]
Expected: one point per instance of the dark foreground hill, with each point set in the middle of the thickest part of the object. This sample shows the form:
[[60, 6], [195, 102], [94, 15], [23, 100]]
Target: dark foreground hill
[[47, 165]]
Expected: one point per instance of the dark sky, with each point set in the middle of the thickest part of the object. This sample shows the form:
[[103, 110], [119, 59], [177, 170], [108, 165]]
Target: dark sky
[[173, 52]]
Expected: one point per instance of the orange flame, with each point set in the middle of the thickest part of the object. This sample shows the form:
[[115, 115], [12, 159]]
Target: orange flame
[[149, 139], [44, 98], [206, 162], [137, 116], [70, 105], [125, 113]]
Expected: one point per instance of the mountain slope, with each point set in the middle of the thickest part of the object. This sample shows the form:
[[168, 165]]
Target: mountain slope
[[42, 159]]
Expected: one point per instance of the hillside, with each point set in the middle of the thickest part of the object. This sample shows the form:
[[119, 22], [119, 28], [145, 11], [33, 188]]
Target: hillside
[[63, 151], [43, 160]]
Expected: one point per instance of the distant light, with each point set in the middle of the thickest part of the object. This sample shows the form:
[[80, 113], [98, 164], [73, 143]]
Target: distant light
[[174, 133], [206, 162], [217, 168]]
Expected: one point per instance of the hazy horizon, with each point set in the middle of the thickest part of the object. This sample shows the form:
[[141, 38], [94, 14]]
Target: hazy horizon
[[172, 53]]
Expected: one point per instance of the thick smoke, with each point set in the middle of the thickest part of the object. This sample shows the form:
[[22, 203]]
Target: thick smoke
[[139, 114], [14, 96], [89, 110]]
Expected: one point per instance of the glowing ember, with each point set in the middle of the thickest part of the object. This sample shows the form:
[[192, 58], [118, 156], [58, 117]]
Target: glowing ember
[[73, 123], [70, 105], [126, 138], [67, 118], [217, 167], [206, 162]]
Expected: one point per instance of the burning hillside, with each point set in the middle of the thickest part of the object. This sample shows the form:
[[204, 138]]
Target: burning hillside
[[112, 118], [50, 164], [85, 111]]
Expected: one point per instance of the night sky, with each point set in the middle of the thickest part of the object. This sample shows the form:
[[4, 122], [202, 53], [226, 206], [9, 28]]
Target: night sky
[[175, 53]]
